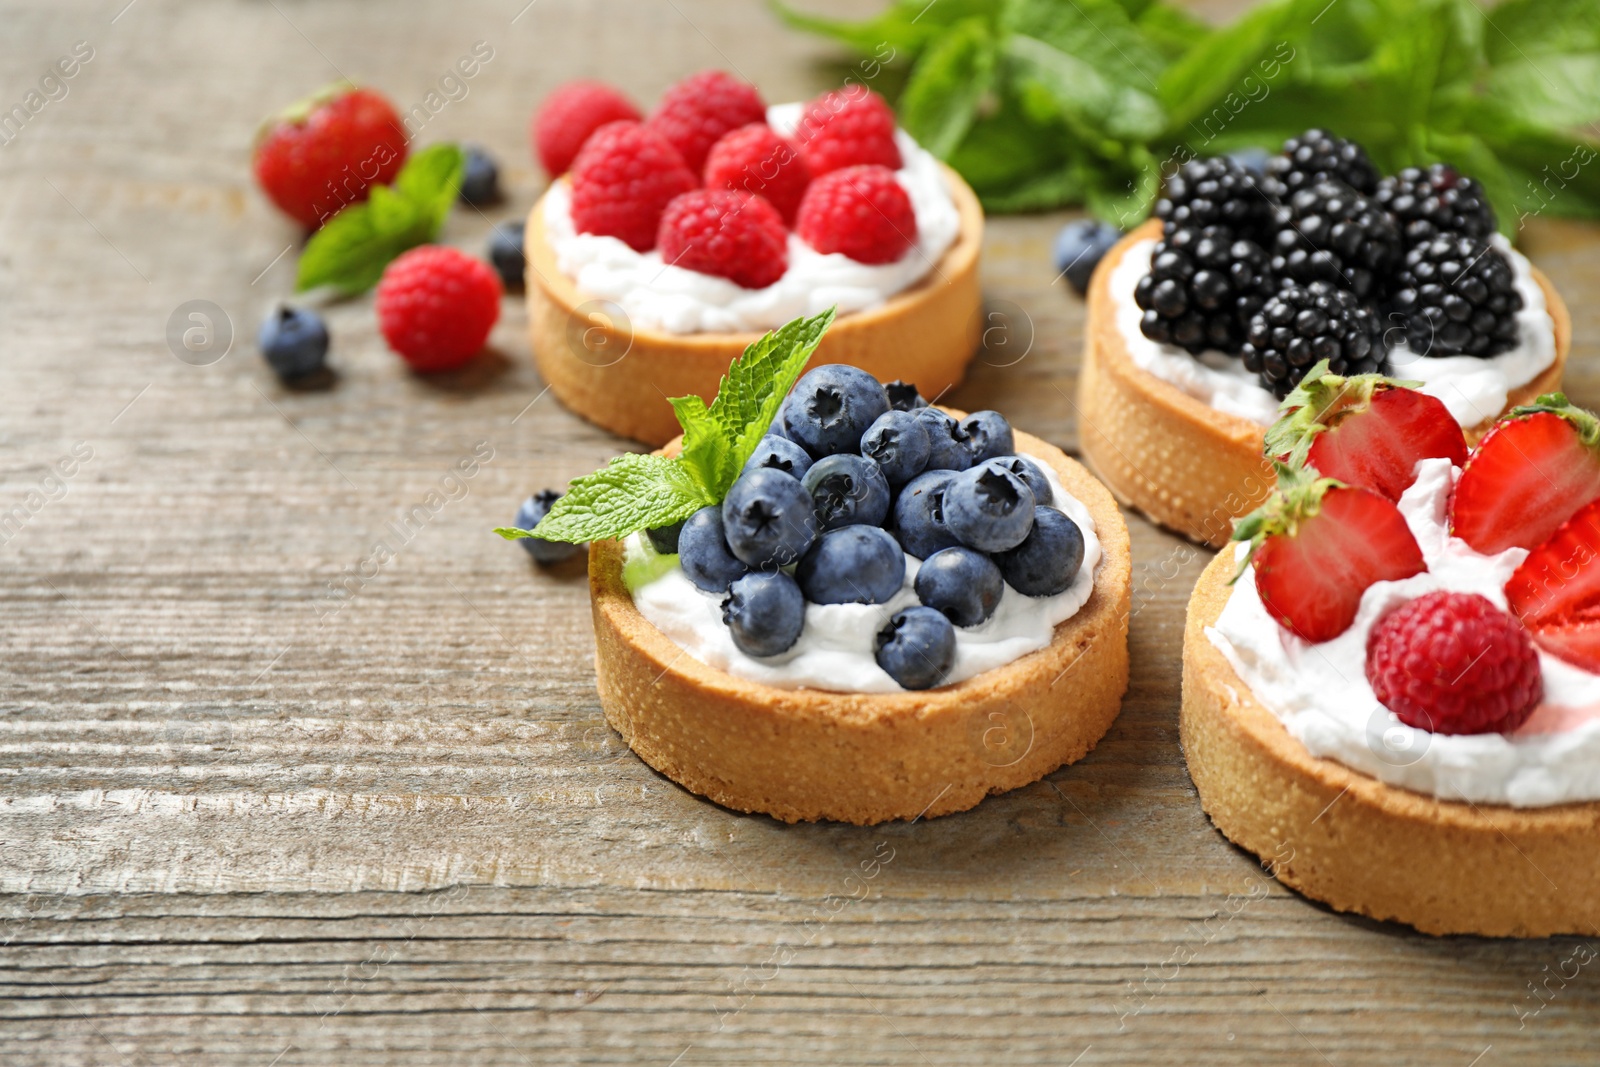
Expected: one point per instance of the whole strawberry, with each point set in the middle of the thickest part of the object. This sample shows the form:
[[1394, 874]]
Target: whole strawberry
[[569, 115], [732, 235], [622, 181], [754, 159], [436, 306], [327, 151], [695, 113], [847, 128], [862, 212]]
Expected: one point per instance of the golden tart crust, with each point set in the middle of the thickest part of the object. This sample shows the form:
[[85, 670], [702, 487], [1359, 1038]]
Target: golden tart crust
[[620, 378], [1359, 845], [804, 754], [1181, 462]]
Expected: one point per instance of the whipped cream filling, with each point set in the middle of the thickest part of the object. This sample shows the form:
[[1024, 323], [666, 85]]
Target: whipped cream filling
[[1321, 695], [835, 650], [1474, 389], [658, 296]]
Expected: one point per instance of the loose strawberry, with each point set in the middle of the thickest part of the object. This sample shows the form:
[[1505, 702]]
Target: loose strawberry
[[328, 150], [1529, 474], [1556, 590], [1316, 546], [1365, 430]]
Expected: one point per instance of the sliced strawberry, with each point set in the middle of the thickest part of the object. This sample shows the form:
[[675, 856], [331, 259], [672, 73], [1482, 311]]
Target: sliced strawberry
[[1556, 591], [1529, 474], [1365, 430], [1316, 546]]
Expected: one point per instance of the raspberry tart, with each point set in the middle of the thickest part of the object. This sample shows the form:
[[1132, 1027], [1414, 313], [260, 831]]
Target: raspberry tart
[[666, 245], [1391, 688], [1203, 318], [842, 603]]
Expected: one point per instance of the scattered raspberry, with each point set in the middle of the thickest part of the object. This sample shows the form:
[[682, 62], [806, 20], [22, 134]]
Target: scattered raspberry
[[1453, 663], [847, 128], [732, 235], [436, 306], [695, 113], [860, 211], [325, 152], [623, 179], [569, 115], [754, 159]]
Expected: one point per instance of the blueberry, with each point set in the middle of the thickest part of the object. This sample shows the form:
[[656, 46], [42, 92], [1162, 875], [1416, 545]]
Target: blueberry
[[294, 341], [665, 538], [480, 178], [781, 454], [852, 565], [703, 552], [767, 518], [533, 509], [988, 435], [1049, 557], [831, 407], [898, 443], [1080, 246], [946, 439], [919, 515], [1253, 160], [1032, 476], [903, 396], [765, 613], [506, 254], [847, 489], [988, 508], [917, 648], [964, 584]]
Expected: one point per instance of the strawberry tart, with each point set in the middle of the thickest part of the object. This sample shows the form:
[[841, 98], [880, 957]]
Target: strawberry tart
[[839, 602], [1391, 688], [668, 243], [1204, 318]]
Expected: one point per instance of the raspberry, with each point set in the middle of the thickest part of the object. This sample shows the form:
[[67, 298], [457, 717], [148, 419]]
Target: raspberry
[[694, 114], [847, 128], [732, 235], [1453, 663], [569, 115], [754, 159], [328, 151], [436, 306], [860, 211], [622, 180]]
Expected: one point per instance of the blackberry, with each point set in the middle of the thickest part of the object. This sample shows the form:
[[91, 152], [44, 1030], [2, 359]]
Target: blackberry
[[1436, 202], [1318, 156], [1331, 233], [1302, 324], [1203, 286], [1215, 192], [1456, 296]]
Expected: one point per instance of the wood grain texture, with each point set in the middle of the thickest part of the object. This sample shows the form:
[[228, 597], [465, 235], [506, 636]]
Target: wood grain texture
[[270, 794]]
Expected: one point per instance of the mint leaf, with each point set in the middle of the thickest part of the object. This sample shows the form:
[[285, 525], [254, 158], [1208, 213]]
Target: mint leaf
[[947, 87], [706, 451], [635, 492], [431, 179]]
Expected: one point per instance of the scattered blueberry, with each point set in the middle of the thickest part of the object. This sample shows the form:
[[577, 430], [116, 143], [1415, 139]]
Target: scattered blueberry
[[946, 439], [898, 443], [831, 407], [1253, 160], [665, 538], [506, 254], [534, 509], [1031, 474], [852, 565], [847, 489], [963, 584], [767, 518], [903, 396], [480, 178], [765, 611], [919, 515], [781, 454], [294, 341], [917, 648], [1047, 560], [988, 508], [988, 435], [1080, 246], [703, 552]]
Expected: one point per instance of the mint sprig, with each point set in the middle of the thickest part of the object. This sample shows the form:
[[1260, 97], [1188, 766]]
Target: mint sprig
[[351, 250], [641, 492]]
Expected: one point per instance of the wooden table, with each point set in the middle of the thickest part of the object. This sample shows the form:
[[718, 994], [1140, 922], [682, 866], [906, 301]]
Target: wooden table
[[275, 795]]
